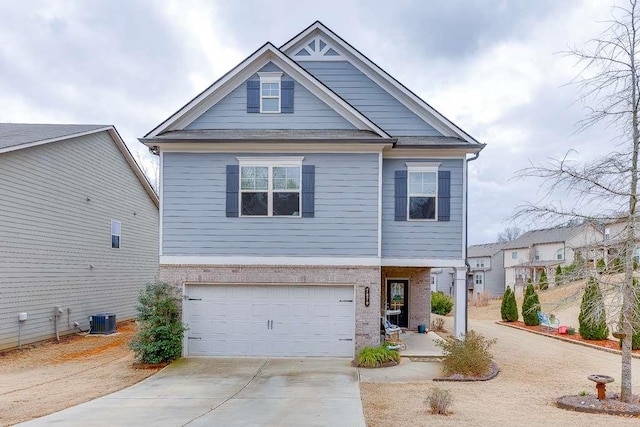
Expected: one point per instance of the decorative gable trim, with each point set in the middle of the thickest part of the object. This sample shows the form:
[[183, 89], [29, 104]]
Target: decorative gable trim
[[318, 49], [412, 101], [247, 68]]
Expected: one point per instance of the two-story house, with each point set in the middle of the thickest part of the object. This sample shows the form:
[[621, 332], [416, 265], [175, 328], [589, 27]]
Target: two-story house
[[543, 250], [303, 194], [486, 269]]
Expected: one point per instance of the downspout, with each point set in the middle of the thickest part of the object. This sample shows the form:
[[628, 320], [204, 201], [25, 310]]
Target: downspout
[[466, 243]]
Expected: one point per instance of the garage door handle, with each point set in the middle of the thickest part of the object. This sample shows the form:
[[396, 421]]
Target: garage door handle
[[346, 300], [345, 339], [194, 299], [195, 338]]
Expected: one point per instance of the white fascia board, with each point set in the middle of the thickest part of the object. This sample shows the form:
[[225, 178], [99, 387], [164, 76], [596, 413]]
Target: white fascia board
[[47, 141], [309, 261], [422, 262], [386, 81], [247, 68], [429, 153], [234, 147], [275, 260]]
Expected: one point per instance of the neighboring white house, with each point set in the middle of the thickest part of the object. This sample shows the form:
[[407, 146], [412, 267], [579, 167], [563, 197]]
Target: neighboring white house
[[543, 250], [78, 229], [486, 269]]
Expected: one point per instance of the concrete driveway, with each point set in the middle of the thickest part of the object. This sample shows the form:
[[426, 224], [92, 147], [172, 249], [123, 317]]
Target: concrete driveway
[[221, 391]]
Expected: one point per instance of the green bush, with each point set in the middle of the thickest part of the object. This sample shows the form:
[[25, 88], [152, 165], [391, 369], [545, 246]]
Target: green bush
[[601, 267], [469, 356], [617, 265], [160, 331], [593, 319], [374, 357], [558, 278], [530, 306], [509, 307], [544, 281], [441, 304]]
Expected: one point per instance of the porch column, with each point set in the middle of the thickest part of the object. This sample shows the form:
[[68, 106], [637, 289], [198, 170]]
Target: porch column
[[459, 297]]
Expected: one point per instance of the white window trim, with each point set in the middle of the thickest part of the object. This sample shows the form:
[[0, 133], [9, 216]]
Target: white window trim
[[478, 276], [537, 255], [270, 163], [560, 254], [514, 253], [419, 167], [119, 234], [271, 77]]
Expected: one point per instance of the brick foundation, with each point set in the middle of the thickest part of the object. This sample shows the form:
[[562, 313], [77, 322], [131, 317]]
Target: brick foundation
[[367, 318]]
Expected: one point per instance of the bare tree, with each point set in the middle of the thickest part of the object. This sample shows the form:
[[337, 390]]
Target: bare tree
[[600, 190], [509, 234]]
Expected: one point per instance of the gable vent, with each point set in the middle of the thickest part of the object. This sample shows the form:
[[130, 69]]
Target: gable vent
[[318, 50]]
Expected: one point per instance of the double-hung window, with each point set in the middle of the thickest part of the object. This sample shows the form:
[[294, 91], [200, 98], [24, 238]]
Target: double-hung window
[[270, 85], [423, 191], [116, 231], [270, 187]]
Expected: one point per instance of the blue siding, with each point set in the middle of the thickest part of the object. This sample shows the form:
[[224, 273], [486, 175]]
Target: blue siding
[[308, 112], [421, 239], [345, 222], [369, 98]]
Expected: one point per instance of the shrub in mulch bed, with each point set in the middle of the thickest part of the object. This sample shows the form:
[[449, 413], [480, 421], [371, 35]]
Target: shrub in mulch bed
[[610, 406], [377, 357], [494, 370]]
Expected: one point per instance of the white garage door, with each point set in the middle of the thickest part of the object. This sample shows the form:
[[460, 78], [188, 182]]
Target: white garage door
[[274, 320]]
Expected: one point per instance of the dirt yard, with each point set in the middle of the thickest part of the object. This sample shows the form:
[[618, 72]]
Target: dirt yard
[[51, 376], [534, 371]]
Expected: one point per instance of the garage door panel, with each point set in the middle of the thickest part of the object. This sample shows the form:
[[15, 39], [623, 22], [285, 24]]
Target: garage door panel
[[306, 320]]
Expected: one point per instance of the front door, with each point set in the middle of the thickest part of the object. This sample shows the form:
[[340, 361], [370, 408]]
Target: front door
[[397, 299]]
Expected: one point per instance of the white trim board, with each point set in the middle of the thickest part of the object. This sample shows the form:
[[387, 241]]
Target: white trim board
[[243, 71], [309, 261], [269, 147], [380, 77]]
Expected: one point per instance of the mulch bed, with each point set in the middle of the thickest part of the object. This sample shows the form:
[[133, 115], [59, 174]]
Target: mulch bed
[[606, 344], [457, 377], [610, 406]]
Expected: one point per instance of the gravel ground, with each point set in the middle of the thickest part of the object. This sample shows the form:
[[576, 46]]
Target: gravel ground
[[51, 376], [534, 371]]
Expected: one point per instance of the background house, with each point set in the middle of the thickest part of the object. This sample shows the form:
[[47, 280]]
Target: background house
[[78, 229], [303, 195], [543, 250], [486, 269]]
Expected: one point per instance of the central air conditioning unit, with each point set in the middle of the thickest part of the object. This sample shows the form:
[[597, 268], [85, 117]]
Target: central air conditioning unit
[[103, 323]]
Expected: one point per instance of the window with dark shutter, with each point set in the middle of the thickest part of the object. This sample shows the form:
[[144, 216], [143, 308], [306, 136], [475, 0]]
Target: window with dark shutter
[[401, 195], [253, 96], [308, 190], [444, 196], [233, 180], [287, 96]]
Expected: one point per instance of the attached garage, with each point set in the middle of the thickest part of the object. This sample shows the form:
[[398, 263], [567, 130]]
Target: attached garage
[[269, 320]]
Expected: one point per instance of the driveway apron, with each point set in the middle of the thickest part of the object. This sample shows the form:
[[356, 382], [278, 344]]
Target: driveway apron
[[224, 391]]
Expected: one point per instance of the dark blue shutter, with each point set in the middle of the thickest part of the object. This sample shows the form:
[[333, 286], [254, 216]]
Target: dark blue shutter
[[308, 190], [286, 93], [401, 195], [253, 96], [233, 182], [444, 196]]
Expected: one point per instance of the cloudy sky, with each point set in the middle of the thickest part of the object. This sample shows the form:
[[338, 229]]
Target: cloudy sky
[[494, 67]]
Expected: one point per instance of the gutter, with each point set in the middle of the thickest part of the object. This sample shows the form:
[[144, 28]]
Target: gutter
[[466, 241]]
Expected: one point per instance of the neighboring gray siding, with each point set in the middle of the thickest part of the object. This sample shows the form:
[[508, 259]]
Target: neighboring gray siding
[[494, 278], [50, 234], [345, 222], [369, 98], [308, 112], [421, 239]]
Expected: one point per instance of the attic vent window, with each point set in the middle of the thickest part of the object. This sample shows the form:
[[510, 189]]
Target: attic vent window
[[270, 92]]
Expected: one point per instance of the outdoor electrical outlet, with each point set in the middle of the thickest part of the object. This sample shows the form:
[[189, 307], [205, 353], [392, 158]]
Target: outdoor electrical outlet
[[22, 317], [57, 310]]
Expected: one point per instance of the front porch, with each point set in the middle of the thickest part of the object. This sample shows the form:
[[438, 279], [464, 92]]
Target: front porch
[[405, 297]]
